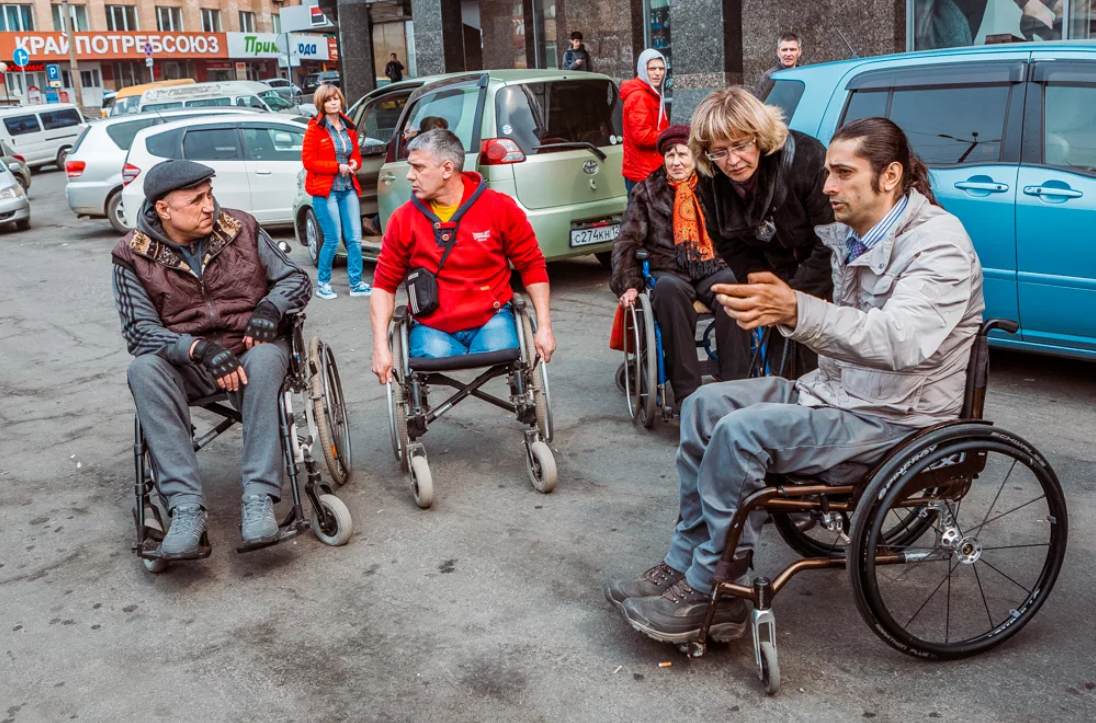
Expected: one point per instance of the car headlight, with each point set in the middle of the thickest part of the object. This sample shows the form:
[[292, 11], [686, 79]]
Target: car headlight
[[11, 191]]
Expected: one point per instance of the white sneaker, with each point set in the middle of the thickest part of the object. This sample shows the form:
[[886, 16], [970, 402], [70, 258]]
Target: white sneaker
[[361, 289], [324, 291]]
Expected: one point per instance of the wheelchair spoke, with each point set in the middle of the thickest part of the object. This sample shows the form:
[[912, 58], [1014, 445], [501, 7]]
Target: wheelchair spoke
[[932, 594], [1004, 514], [995, 497], [978, 578], [994, 568], [1016, 547]]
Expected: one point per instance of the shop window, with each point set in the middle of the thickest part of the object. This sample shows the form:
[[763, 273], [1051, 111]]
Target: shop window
[[121, 17], [211, 144], [170, 19], [78, 18], [658, 33], [17, 18], [20, 125], [91, 78], [1082, 19], [129, 73], [247, 22], [64, 118], [211, 20], [276, 22], [952, 24]]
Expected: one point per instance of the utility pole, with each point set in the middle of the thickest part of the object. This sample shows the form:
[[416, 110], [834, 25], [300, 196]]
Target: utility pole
[[74, 68]]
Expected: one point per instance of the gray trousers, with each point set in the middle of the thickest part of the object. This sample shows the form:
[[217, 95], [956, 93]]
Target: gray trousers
[[732, 434], [160, 392]]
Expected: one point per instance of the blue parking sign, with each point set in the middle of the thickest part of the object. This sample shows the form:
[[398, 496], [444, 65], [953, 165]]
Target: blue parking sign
[[20, 57], [53, 72]]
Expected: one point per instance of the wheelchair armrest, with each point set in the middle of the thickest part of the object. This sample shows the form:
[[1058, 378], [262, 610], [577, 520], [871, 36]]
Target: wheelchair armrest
[[518, 303], [400, 315]]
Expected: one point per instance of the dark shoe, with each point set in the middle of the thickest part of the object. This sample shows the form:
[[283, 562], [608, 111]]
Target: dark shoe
[[651, 583], [679, 613], [258, 523], [188, 523]]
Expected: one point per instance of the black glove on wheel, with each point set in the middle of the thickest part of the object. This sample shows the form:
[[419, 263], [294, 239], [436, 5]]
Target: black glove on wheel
[[263, 324], [214, 357]]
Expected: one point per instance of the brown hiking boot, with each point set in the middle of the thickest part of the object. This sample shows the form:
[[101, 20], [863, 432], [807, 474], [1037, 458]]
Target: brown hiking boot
[[651, 583], [678, 614]]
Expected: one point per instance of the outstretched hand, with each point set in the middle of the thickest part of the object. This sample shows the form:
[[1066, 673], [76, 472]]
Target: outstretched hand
[[764, 301]]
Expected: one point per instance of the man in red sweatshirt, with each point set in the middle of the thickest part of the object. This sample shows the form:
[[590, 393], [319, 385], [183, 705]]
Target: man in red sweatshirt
[[473, 313]]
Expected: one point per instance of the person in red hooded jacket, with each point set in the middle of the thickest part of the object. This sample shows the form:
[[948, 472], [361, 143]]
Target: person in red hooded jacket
[[644, 117]]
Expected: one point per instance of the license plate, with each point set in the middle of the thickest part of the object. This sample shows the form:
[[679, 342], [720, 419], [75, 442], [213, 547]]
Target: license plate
[[594, 234]]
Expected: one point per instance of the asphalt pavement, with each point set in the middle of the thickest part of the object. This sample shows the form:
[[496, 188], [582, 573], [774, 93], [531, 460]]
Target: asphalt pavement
[[487, 607]]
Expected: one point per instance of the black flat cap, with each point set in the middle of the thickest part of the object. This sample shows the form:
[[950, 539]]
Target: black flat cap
[[171, 175]]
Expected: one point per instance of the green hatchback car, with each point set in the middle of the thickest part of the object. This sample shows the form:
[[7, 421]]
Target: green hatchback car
[[549, 139]]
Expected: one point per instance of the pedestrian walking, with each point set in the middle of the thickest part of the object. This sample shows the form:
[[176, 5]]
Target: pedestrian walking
[[789, 54], [644, 117], [331, 157], [394, 69], [577, 57]]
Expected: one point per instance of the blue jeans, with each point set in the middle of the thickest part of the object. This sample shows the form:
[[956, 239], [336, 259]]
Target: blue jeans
[[497, 334], [338, 213]]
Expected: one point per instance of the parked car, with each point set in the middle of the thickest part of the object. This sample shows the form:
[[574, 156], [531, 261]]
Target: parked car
[[238, 93], [16, 163], [14, 203], [256, 158], [42, 134], [94, 166], [550, 139], [315, 80], [1009, 134], [127, 101], [279, 83]]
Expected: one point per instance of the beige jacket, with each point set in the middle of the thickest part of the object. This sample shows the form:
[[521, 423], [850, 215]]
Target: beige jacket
[[896, 342]]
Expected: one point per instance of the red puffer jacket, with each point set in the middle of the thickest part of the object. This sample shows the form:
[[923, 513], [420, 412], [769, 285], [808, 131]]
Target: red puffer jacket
[[318, 156], [641, 128]]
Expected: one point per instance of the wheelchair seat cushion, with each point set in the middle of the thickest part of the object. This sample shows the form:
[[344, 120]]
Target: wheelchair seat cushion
[[464, 361], [211, 399]]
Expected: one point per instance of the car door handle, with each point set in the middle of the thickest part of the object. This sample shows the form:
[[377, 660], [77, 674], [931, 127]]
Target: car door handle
[[992, 187], [262, 172], [1058, 192], [388, 179]]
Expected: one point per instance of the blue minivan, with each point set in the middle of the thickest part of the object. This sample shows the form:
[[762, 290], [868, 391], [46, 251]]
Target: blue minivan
[[1009, 133]]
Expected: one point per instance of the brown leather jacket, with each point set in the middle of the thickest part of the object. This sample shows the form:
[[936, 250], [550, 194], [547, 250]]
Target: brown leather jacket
[[218, 304]]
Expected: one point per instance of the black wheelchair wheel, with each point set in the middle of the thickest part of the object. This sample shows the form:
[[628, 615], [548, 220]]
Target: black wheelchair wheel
[[998, 536], [538, 378], [329, 409], [642, 383], [397, 412]]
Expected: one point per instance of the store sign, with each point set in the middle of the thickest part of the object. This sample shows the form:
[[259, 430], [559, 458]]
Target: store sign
[[116, 45], [270, 45]]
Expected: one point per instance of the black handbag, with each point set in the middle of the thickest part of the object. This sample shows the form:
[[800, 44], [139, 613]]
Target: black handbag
[[422, 283]]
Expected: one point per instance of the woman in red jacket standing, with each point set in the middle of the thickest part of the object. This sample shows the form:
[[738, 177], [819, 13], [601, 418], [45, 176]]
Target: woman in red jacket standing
[[644, 117], [331, 156]]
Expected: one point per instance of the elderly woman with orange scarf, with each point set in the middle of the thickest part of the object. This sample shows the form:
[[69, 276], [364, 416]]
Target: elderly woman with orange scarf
[[665, 218]]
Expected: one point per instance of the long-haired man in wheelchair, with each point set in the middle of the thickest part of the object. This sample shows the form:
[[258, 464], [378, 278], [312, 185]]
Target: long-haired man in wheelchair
[[201, 291], [665, 219], [893, 350], [465, 236]]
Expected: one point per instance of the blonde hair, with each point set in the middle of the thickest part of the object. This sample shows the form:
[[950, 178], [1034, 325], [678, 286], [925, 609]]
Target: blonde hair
[[730, 114], [325, 93]]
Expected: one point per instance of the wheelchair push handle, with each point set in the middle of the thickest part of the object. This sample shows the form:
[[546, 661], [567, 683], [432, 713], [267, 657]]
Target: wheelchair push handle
[[1006, 325]]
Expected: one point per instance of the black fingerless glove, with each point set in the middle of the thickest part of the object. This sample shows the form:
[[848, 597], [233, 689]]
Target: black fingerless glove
[[214, 357], [263, 324]]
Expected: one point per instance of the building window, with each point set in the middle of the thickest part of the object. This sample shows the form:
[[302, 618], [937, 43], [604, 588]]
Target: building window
[[78, 18], [90, 78], [1082, 18], [169, 19], [17, 18], [276, 22], [211, 21], [658, 36], [121, 17], [934, 24], [129, 73], [247, 22]]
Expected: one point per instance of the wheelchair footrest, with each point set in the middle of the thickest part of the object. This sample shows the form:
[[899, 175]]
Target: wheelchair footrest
[[287, 532], [150, 550]]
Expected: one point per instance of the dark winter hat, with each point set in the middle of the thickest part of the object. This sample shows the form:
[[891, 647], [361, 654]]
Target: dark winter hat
[[172, 175], [672, 136]]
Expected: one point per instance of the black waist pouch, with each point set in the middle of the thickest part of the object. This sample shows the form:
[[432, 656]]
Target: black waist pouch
[[421, 282]]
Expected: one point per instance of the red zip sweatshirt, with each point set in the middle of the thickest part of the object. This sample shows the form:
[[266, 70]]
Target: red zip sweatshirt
[[319, 159], [475, 281]]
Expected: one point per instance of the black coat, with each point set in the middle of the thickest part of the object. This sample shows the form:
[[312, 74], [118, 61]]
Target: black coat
[[394, 71], [571, 55], [649, 224], [795, 253]]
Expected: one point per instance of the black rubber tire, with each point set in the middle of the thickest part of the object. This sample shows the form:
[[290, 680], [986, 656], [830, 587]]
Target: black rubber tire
[[400, 399], [647, 404], [313, 236], [114, 213], [337, 511], [62, 156], [330, 412], [885, 489], [22, 224], [770, 669]]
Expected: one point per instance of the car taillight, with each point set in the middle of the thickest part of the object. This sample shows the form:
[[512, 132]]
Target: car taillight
[[19, 158], [74, 168], [129, 173], [497, 151]]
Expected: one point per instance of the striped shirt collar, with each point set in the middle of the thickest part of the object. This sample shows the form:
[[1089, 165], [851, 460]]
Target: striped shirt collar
[[878, 231]]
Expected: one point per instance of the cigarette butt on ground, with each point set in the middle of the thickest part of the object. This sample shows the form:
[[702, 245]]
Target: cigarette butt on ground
[[664, 665], [619, 667]]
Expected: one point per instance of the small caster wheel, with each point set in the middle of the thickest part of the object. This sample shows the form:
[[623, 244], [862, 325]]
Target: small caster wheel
[[770, 669], [340, 525], [422, 482], [542, 467], [154, 566]]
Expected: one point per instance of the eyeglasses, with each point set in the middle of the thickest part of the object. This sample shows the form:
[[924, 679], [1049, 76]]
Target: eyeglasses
[[736, 150]]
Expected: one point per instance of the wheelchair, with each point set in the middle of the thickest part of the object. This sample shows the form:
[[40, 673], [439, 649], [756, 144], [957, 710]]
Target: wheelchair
[[978, 499], [642, 376], [315, 380], [410, 413]]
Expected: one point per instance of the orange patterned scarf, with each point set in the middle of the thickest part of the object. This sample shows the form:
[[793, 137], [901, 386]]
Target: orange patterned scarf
[[690, 232]]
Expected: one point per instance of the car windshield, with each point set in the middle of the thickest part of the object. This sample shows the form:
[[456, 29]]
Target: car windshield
[[555, 115], [126, 106]]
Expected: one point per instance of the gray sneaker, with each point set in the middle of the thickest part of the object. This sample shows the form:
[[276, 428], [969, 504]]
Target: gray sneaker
[[257, 519], [188, 523], [654, 582]]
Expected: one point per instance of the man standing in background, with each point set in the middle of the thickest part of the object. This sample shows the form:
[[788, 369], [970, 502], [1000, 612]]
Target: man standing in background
[[788, 52], [394, 69]]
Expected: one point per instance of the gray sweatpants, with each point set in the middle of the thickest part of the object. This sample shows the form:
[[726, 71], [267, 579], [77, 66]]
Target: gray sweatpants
[[160, 392], [732, 434]]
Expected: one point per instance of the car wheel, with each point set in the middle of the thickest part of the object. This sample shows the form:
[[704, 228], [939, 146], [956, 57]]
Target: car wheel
[[62, 155], [313, 237], [24, 180], [22, 224], [114, 213]]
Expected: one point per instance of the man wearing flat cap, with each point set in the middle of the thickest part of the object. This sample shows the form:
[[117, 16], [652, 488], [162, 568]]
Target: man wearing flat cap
[[201, 292]]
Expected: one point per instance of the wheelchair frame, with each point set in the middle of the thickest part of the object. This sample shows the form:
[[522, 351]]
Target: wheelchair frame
[[316, 379], [790, 493], [410, 414]]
